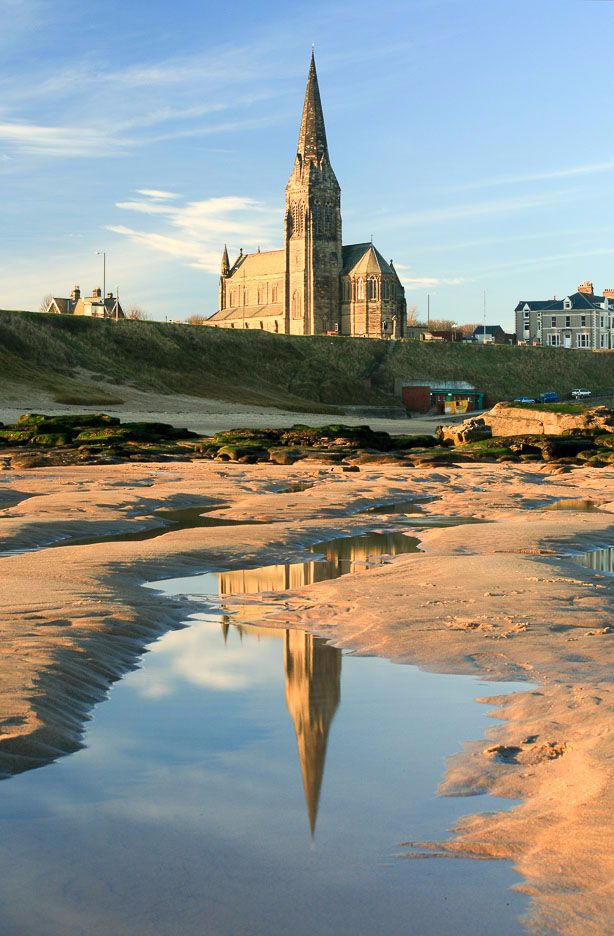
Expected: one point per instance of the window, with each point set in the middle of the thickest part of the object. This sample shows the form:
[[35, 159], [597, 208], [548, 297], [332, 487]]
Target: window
[[261, 326], [567, 303], [276, 326], [274, 293], [328, 214], [603, 341], [347, 290], [526, 313], [568, 321], [386, 289], [261, 295], [296, 305], [582, 340], [360, 289], [298, 214], [553, 321], [583, 321], [371, 288], [554, 340]]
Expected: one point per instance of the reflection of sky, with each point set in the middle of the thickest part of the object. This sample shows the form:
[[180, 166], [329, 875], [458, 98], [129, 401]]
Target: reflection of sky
[[186, 812]]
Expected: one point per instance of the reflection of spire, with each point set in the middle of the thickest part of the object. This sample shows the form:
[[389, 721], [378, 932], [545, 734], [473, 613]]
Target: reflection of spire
[[313, 675]]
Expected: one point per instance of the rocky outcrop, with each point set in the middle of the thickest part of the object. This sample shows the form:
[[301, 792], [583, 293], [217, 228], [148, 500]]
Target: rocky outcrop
[[506, 419]]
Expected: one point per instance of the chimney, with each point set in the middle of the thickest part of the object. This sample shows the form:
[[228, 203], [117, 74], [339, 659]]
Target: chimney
[[97, 293], [109, 295], [608, 293], [586, 288], [75, 294]]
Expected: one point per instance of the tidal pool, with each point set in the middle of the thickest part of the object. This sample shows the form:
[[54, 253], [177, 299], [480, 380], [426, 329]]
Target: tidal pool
[[256, 781]]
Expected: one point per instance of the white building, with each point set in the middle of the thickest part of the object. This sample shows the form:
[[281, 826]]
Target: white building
[[580, 320]]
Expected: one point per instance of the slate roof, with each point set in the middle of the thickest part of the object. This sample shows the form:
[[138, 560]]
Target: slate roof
[[489, 330], [364, 258], [580, 302]]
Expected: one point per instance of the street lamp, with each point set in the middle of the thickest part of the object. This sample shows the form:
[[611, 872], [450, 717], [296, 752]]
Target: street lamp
[[104, 274]]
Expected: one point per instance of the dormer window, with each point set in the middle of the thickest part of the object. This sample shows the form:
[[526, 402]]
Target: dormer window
[[567, 303]]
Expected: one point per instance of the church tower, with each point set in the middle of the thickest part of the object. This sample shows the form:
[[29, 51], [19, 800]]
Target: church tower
[[312, 227]]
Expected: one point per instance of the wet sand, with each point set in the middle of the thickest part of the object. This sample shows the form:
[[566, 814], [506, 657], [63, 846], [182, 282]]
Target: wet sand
[[491, 599]]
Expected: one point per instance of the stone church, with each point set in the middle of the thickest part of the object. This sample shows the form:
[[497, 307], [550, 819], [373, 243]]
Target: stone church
[[313, 285]]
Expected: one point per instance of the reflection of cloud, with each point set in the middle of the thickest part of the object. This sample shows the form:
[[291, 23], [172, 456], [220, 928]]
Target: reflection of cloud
[[198, 656]]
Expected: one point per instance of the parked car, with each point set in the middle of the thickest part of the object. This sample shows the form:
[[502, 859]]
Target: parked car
[[580, 394], [524, 399], [550, 397]]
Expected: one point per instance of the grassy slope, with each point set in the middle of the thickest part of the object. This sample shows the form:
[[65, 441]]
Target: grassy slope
[[67, 356]]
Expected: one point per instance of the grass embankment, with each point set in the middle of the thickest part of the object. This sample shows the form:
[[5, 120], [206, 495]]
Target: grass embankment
[[90, 362]]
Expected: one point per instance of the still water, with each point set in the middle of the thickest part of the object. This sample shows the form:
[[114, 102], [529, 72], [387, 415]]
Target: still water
[[256, 781]]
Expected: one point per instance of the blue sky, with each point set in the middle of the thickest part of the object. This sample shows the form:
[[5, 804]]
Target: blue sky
[[473, 139]]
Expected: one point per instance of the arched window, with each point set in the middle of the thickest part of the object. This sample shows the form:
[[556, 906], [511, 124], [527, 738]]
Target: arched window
[[386, 289], [329, 219], [360, 289], [261, 295], [371, 288], [298, 215], [245, 296], [297, 310], [274, 293], [276, 326], [261, 326]]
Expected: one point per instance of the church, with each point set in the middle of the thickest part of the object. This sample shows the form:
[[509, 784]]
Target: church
[[313, 285]]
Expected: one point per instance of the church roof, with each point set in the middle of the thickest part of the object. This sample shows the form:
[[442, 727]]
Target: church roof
[[247, 313], [263, 263], [364, 258], [312, 135]]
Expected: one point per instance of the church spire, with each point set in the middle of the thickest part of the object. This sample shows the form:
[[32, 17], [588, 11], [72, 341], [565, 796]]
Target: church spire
[[225, 262], [312, 135]]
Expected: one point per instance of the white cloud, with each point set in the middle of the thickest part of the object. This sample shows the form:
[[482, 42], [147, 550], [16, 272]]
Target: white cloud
[[156, 193], [195, 231]]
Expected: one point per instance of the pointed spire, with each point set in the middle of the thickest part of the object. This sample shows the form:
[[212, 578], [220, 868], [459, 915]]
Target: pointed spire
[[313, 674], [312, 135], [225, 262]]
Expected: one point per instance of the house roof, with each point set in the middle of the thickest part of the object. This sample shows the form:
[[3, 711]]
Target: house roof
[[489, 330], [364, 258], [580, 302], [265, 263], [65, 306]]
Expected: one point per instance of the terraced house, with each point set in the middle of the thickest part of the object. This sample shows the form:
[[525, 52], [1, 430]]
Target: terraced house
[[580, 320], [313, 285]]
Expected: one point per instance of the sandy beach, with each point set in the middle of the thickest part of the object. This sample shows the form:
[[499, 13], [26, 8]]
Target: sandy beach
[[502, 599]]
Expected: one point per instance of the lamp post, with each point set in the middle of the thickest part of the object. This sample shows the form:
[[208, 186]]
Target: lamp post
[[103, 253]]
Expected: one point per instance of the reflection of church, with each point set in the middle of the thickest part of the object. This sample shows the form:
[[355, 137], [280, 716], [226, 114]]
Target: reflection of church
[[312, 667], [313, 691]]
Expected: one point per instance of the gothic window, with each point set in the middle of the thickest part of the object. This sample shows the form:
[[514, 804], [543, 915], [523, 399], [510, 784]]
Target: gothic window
[[371, 288], [276, 326], [360, 289], [386, 289], [329, 219], [261, 295], [347, 289], [245, 296], [296, 305], [261, 326], [298, 214], [274, 293]]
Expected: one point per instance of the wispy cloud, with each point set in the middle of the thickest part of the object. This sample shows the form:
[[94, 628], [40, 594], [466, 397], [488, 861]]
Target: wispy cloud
[[547, 175], [195, 231], [478, 209]]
